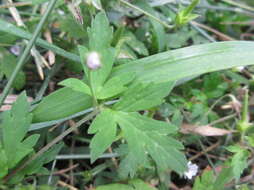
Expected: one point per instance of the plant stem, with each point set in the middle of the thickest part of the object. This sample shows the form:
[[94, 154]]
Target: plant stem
[[45, 84], [84, 156], [24, 55], [147, 14], [95, 102], [243, 6], [52, 143], [245, 114]]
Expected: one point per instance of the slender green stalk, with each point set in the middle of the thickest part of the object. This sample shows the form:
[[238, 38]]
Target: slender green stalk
[[244, 124], [147, 14], [84, 156], [45, 84], [52, 143], [243, 6], [208, 158], [219, 8], [95, 102], [245, 114], [45, 124], [24, 55]]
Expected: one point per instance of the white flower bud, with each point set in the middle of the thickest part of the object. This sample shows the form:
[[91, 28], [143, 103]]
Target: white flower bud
[[93, 61]]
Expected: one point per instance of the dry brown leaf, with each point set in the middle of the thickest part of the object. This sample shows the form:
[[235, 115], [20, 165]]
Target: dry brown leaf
[[205, 130], [10, 99], [5, 107]]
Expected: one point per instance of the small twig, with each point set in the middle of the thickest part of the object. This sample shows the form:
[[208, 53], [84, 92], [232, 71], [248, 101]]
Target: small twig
[[203, 32], [66, 169], [63, 184], [205, 151], [219, 34], [173, 186], [51, 172], [239, 23], [223, 119], [51, 54], [71, 162], [16, 4], [210, 155], [243, 36], [113, 158]]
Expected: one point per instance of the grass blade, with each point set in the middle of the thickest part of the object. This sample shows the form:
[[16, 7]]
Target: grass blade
[[29, 46]]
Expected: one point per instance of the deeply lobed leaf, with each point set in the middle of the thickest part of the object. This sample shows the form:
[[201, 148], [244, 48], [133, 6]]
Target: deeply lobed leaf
[[145, 137], [104, 127], [149, 137], [76, 85], [15, 125], [99, 42]]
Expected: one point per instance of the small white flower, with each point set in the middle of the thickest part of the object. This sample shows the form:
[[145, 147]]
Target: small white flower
[[93, 61], [192, 170]]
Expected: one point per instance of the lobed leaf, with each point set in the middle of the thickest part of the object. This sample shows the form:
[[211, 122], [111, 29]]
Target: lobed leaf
[[105, 127], [99, 42], [37, 164], [115, 86], [239, 161], [149, 137], [100, 34], [142, 96], [15, 125], [76, 85], [204, 181]]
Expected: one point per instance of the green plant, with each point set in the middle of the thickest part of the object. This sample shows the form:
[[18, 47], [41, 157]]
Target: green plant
[[15, 123], [145, 137], [140, 85], [122, 99]]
